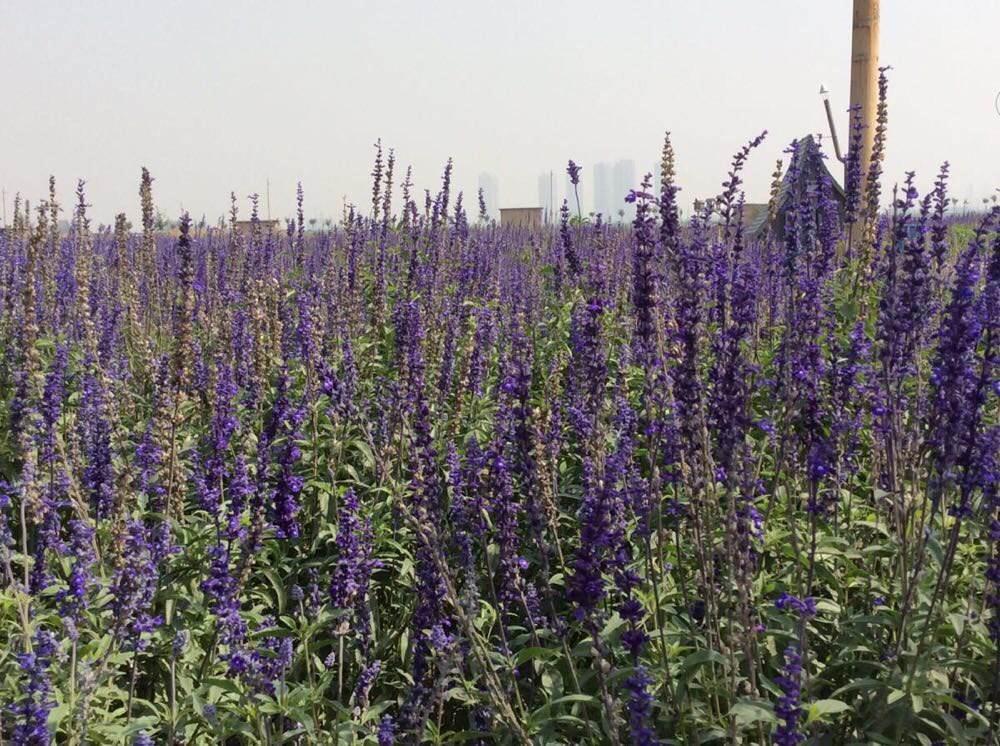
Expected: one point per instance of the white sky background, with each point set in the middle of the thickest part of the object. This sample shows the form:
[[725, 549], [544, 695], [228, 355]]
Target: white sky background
[[217, 96]]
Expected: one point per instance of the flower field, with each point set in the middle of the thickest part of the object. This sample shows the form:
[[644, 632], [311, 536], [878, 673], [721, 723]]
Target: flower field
[[420, 478]]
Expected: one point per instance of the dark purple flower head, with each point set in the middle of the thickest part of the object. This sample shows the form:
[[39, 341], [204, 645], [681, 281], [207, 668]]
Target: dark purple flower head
[[212, 473], [645, 280], [640, 708], [29, 715], [73, 600], [95, 426], [634, 640], [241, 489], [283, 433], [567, 244], [366, 680], [852, 170], [789, 705], [134, 588], [386, 731], [805, 608], [221, 589], [601, 517], [352, 573], [574, 173], [6, 537]]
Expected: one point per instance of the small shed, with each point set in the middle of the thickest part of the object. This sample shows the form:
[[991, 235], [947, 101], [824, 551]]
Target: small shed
[[812, 167], [522, 217], [266, 226]]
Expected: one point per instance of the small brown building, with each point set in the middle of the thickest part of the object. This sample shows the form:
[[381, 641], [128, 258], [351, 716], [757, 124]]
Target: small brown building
[[266, 226], [522, 217]]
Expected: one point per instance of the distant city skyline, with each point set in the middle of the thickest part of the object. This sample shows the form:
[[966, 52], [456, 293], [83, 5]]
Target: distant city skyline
[[226, 96]]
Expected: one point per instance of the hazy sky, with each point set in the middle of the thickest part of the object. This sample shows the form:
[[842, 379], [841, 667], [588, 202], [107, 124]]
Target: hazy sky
[[218, 96]]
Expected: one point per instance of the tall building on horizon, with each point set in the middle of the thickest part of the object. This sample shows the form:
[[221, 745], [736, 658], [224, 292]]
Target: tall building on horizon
[[490, 187], [547, 196], [623, 180], [612, 182], [604, 191]]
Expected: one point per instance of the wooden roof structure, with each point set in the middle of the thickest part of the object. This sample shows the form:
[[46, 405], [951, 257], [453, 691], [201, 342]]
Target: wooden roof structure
[[811, 166]]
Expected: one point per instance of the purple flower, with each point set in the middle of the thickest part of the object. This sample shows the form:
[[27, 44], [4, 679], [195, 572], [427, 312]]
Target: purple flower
[[939, 228], [6, 537], [221, 588], [566, 243], [588, 365], [804, 607], [283, 433], [179, 643], [352, 573], [366, 679], [467, 506], [430, 623], [98, 473], [29, 715], [789, 707], [512, 473], [150, 465], [73, 600], [212, 473], [54, 476], [640, 708], [601, 535], [133, 589], [386, 731], [958, 373], [482, 344], [644, 278], [241, 489], [574, 173], [852, 170]]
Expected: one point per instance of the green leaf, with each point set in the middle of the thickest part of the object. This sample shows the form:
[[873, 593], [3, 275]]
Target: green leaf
[[895, 695], [543, 713], [701, 657], [862, 685], [826, 606], [278, 585], [749, 711], [822, 707], [535, 653]]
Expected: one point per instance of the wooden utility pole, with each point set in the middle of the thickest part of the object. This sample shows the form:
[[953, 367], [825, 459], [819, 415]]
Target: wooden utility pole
[[864, 72]]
